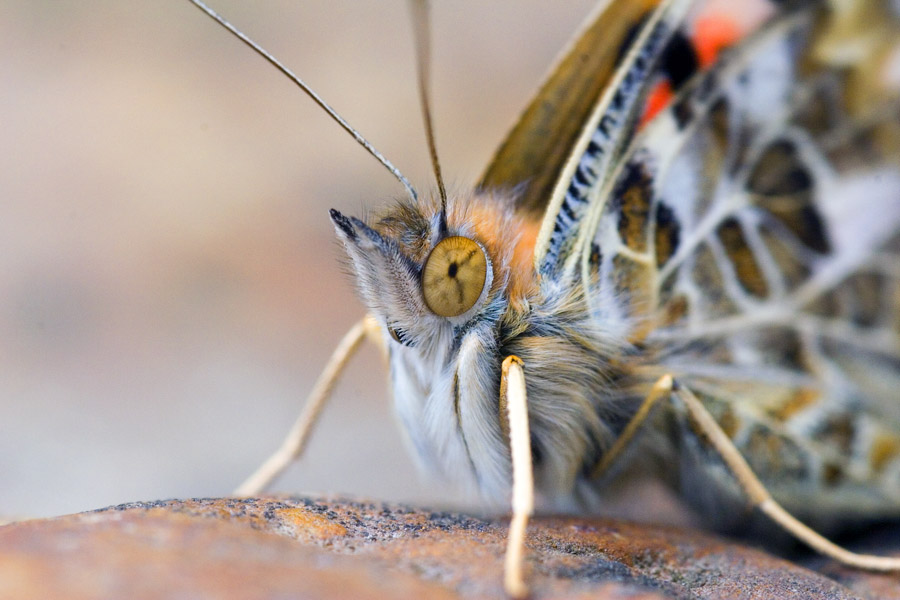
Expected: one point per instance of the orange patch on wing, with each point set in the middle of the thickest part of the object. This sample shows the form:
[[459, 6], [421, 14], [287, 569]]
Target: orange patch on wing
[[884, 449], [713, 33], [634, 280], [658, 98], [793, 405], [729, 422], [747, 270], [633, 198], [675, 310]]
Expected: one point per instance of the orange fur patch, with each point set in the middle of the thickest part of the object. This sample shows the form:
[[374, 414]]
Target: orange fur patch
[[487, 219]]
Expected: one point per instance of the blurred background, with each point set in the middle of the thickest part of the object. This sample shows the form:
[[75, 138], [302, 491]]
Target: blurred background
[[169, 280]]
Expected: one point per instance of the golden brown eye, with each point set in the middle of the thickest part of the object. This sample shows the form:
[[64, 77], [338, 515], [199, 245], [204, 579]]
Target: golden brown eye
[[454, 276]]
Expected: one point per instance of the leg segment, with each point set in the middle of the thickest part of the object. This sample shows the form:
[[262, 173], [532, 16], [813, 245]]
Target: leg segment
[[661, 391], [293, 444], [762, 499], [514, 405], [668, 389]]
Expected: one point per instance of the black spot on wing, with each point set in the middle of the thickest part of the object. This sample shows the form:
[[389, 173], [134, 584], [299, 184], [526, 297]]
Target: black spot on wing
[[683, 112], [596, 257], [782, 184], [668, 234], [679, 61], [780, 171]]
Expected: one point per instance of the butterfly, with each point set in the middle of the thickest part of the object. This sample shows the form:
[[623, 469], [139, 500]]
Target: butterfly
[[683, 259]]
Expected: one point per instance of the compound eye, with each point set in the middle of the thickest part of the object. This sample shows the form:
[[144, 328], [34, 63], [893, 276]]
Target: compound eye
[[454, 276]]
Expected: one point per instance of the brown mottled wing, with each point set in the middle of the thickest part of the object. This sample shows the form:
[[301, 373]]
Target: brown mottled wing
[[534, 152], [750, 244]]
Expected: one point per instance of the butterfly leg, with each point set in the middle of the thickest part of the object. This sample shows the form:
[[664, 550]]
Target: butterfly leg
[[762, 499], [514, 405], [294, 443], [661, 390], [759, 496]]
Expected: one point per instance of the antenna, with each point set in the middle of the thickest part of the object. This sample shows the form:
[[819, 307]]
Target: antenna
[[312, 94], [422, 31]]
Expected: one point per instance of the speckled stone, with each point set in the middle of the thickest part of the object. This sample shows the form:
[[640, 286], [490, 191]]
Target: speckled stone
[[292, 547]]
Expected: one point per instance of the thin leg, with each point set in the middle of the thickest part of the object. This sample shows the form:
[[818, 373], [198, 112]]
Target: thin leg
[[293, 444], [514, 403], [761, 498], [666, 388], [661, 391]]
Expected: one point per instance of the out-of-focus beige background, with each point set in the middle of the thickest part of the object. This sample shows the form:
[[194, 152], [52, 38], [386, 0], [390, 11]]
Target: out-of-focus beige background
[[169, 280]]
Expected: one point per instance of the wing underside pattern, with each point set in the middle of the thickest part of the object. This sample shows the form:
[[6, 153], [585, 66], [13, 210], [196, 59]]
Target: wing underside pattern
[[750, 245]]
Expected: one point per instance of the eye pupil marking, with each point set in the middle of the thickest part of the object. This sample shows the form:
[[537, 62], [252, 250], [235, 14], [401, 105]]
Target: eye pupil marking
[[452, 269]]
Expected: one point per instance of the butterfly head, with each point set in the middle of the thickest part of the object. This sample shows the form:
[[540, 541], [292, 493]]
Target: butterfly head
[[424, 270]]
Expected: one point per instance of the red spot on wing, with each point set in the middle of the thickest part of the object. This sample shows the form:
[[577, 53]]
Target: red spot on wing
[[713, 33], [657, 100]]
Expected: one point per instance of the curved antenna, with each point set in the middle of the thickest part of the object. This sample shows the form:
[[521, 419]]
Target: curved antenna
[[309, 92], [422, 31]]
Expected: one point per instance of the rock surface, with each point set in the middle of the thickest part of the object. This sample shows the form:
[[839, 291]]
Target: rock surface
[[292, 547]]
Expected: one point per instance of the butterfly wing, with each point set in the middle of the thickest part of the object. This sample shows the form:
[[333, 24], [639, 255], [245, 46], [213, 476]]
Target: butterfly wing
[[750, 244], [534, 152], [581, 120], [603, 140]]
